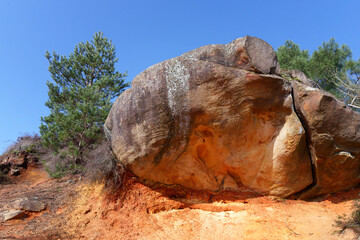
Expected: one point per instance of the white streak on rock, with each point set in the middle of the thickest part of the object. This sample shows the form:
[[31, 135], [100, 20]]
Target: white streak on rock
[[307, 88], [177, 83]]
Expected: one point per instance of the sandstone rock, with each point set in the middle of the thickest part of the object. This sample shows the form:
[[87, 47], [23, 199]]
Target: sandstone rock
[[248, 53], [210, 120], [14, 162], [17, 159], [31, 205], [12, 214], [301, 77], [32, 160], [15, 171], [4, 160], [334, 137]]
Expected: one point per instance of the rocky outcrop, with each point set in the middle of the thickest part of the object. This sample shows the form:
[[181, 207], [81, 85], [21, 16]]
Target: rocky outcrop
[[220, 117], [13, 163], [334, 139], [214, 119]]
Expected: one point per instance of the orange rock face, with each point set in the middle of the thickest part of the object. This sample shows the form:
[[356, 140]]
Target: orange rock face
[[334, 136], [212, 120], [220, 117]]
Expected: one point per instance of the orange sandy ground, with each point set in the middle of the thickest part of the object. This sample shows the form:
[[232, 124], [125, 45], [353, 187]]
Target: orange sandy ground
[[79, 210], [156, 212]]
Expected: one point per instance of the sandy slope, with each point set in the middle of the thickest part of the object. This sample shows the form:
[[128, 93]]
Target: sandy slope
[[146, 213], [79, 210]]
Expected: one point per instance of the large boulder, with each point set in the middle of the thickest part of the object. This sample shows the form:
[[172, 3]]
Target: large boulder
[[334, 139], [215, 118]]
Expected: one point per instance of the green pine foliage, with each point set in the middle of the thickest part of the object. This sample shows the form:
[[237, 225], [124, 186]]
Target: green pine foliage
[[290, 57], [325, 66], [330, 58], [84, 83]]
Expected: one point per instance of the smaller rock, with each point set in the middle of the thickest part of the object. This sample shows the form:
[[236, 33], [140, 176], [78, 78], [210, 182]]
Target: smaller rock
[[30, 205], [4, 160], [18, 159], [32, 160], [301, 77], [15, 171], [13, 214]]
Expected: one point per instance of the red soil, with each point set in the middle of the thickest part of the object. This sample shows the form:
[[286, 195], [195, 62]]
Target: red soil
[[160, 212], [79, 210]]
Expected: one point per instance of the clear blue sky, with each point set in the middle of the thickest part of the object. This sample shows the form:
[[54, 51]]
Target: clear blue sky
[[145, 33]]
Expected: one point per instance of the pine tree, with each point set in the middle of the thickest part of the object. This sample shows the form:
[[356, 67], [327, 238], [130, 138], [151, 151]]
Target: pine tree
[[328, 63], [330, 58], [291, 57], [80, 96]]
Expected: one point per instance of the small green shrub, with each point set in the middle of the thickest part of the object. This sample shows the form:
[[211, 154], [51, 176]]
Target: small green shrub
[[58, 167], [29, 143], [101, 165], [98, 162], [98, 165], [352, 222]]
